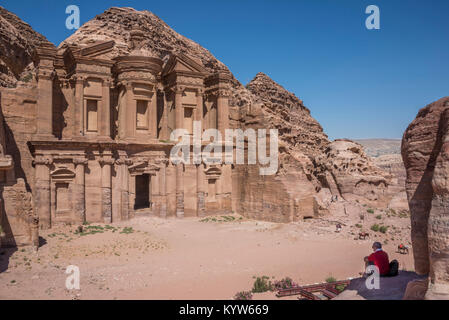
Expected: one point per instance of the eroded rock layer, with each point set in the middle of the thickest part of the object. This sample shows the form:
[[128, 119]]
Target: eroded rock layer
[[425, 153]]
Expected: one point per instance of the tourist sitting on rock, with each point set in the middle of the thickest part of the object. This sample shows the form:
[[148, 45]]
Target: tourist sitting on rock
[[379, 258]]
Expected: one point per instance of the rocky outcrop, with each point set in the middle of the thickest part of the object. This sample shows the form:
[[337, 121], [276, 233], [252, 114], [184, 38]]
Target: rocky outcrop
[[17, 42], [425, 151], [348, 171], [17, 125], [282, 110]]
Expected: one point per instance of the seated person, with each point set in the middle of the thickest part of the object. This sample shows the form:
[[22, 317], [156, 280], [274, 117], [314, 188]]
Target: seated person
[[380, 259]]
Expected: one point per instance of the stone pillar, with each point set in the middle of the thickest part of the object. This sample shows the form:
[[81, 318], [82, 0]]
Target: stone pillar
[[201, 204], [42, 191], [180, 167], [163, 189], [153, 115], [123, 164], [79, 195], [79, 105], [180, 190], [45, 103], [129, 112], [199, 107], [167, 106], [106, 200], [105, 125], [223, 111], [45, 57]]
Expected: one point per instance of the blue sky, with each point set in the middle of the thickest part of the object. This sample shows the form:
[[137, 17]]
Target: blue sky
[[358, 83]]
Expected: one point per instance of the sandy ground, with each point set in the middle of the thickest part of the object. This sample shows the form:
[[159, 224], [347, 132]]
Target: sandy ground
[[192, 258]]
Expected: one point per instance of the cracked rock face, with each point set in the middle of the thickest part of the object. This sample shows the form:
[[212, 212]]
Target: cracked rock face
[[345, 165], [425, 151], [17, 42]]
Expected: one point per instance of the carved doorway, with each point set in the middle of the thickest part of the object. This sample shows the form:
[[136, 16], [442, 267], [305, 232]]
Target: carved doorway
[[143, 199]]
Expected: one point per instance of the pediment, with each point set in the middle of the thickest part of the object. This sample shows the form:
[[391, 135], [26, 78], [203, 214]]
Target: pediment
[[62, 174], [182, 63], [96, 49]]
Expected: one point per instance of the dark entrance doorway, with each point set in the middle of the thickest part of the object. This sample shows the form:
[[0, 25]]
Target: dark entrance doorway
[[142, 192]]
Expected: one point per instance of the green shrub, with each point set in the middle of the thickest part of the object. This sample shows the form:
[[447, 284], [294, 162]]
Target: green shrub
[[375, 227], [383, 229], [370, 211], [378, 217], [340, 287], [262, 284], [330, 279], [243, 295], [358, 226]]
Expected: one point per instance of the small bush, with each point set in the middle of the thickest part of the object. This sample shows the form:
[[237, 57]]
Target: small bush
[[383, 229], [358, 226], [262, 284], [378, 217], [370, 211], [243, 295], [340, 287], [285, 283], [330, 279], [375, 227]]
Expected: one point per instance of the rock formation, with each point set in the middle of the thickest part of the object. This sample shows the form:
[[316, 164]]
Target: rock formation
[[349, 172], [17, 42], [425, 154]]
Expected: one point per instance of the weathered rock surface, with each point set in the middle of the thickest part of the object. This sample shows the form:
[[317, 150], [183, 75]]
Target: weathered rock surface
[[17, 42], [349, 172], [425, 153]]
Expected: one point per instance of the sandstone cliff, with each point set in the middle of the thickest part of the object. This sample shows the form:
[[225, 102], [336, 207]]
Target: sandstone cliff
[[425, 154], [17, 42]]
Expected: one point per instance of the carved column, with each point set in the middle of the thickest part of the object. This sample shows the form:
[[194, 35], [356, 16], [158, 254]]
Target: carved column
[[128, 112], [180, 190], [106, 200], [199, 106], [79, 105], [79, 195], [165, 133], [163, 189], [179, 109], [42, 201], [123, 164], [45, 102], [180, 167], [223, 111], [201, 204], [106, 109], [153, 115]]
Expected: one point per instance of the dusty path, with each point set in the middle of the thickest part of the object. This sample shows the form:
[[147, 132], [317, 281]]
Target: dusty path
[[182, 259]]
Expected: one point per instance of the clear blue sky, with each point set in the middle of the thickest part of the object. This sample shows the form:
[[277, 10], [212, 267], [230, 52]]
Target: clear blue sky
[[357, 83]]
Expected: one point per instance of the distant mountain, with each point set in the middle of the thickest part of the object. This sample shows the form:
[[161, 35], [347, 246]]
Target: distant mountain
[[380, 147]]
